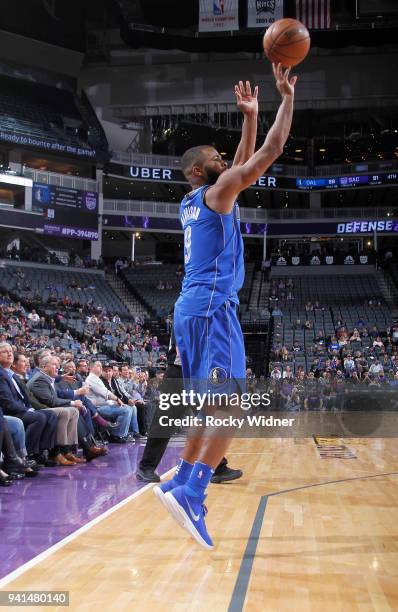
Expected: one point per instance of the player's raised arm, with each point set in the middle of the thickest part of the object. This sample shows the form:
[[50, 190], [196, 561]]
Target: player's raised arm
[[221, 196], [247, 103]]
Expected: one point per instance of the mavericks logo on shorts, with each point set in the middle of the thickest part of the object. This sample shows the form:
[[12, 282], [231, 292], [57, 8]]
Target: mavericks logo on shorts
[[217, 376]]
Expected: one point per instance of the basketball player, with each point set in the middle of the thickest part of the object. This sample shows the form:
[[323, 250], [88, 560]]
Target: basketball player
[[159, 437], [206, 326]]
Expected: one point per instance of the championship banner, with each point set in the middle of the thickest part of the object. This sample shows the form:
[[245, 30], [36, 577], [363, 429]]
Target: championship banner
[[218, 15], [263, 13]]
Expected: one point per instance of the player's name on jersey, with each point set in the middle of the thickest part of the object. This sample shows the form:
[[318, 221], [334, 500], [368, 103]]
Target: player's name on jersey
[[190, 213]]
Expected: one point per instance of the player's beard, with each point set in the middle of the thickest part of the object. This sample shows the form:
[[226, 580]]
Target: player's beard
[[212, 176]]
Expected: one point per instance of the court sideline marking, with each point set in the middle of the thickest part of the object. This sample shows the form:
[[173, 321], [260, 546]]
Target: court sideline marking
[[72, 536], [242, 581]]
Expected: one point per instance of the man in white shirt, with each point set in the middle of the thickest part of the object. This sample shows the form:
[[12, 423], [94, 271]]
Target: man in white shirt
[[34, 317], [376, 367], [107, 403], [276, 373]]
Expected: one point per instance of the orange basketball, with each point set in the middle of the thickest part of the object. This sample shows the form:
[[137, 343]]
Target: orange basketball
[[286, 41]]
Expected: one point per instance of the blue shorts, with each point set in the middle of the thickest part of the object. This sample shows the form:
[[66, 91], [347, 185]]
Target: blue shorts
[[212, 350]]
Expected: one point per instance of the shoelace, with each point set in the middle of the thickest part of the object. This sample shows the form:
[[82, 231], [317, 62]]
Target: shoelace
[[204, 509]]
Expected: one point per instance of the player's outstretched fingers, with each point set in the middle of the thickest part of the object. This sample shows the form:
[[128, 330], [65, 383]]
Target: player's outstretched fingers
[[286, 75]]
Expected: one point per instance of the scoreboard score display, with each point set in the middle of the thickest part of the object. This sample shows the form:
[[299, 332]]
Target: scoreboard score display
[[67, 212], [341, 182]]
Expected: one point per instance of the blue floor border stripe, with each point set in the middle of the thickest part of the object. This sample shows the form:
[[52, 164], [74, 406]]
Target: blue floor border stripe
[[242, 582]]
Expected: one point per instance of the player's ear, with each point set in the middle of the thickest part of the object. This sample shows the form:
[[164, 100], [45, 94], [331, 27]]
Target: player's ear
[[197, 171]]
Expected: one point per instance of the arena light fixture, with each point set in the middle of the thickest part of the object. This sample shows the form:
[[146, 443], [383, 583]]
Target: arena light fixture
[[16, 180]]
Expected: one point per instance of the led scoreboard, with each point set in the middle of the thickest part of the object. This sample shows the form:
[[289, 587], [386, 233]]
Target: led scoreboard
[[341, 182]]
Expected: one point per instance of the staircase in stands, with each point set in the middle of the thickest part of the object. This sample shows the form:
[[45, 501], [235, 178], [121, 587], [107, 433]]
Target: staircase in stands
[[388, 290], [133, 305]]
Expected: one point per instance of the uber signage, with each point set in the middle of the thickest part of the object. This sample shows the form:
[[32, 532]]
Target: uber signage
[[151, 174], [173, 175]]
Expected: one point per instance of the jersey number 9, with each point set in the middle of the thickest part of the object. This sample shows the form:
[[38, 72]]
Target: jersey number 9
[[187, 244]]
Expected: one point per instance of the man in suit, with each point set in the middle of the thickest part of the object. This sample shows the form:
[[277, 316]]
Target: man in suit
[[122, 385], [71, 383], [20, 367], [13, 466], [110, 377], [42, 385], [39, 426]]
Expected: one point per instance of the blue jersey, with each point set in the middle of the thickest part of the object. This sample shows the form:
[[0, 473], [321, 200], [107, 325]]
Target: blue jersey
[[213, 256]]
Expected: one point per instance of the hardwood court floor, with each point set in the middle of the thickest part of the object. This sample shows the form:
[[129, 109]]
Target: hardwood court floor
[[287, 539]]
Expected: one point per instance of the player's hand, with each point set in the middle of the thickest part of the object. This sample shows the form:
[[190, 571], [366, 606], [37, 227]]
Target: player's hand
[[246, 100], [284, 85]]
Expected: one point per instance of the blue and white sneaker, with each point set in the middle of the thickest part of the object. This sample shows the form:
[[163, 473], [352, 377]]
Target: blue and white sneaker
[[189, 512], [162, 489]]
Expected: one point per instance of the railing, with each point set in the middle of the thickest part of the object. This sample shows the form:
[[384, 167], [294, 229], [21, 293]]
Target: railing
[[155, 209], [330, 213], [61, 180], [254, 215], [168, 209]]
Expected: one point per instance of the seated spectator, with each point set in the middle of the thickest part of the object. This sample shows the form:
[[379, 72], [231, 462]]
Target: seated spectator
[[110, 377], [313, 400], [12, 467], [378, 342], [316, 367], [286, 390], [276, 373], [70, 388], [334, 345], [119, 265], [393, 381], [42, 385], [134, 385], [374, 333], [107, 404], [294, 404], [376, 367], [39, 426], [349, 364], [34, 317], [285, 354], [287, 373]]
